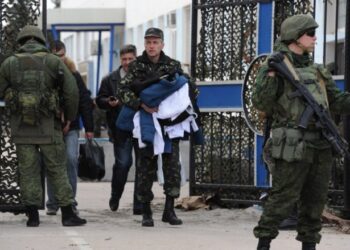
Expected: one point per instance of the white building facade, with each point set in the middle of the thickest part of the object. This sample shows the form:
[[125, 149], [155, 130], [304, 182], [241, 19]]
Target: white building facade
[[174, 18], [134, 17], [84, 25]]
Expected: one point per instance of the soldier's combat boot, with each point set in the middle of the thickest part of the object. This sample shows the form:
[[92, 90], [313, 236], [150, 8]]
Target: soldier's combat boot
[[169, 213], [309, 246], [33, 216], [147, 220], [264, 244], [69, 218]]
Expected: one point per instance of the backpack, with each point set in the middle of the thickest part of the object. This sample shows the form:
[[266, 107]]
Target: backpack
[[32, 99]]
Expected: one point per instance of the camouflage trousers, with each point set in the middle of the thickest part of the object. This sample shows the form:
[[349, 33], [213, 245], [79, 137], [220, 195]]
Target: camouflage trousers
[[53, 156], [147, 168], [298, 182]]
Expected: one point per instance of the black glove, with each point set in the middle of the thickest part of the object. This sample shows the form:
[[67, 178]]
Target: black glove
[[276, 63], [137, 85], [275, 58]]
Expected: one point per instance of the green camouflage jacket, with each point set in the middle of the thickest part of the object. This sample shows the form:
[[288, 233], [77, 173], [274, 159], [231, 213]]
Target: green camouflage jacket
[[68, 88], [142, 69], [268, 94]]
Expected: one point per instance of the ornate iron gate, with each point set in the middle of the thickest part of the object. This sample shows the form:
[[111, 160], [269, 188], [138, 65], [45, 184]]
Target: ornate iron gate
[[221, 54], [14, 15], [227, 44]]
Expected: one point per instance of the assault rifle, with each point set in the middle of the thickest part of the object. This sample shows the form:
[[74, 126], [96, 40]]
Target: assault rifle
[[279, 63]]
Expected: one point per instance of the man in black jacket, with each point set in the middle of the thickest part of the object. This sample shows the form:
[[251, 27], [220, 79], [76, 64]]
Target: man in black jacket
[[108, 100], [71, 131]]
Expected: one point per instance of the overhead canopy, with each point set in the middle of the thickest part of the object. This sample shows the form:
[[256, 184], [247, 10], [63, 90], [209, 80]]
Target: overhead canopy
[[84, 19]]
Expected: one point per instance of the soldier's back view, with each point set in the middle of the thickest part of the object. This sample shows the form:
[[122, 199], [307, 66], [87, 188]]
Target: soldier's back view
[[35, 86]]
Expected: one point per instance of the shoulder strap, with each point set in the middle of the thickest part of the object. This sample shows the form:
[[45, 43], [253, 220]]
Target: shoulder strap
[[40, 63], [323, 85], [291, 68]]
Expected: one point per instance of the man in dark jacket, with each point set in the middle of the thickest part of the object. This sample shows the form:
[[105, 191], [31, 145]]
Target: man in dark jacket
[[71, 131], [108, 100]]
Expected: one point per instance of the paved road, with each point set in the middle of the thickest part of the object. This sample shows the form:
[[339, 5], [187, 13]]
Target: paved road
[[218, 229]]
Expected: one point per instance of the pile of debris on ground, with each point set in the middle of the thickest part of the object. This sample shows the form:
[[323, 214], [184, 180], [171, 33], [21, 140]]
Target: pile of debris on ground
[[212, 201], [206, 201], [330, 217]]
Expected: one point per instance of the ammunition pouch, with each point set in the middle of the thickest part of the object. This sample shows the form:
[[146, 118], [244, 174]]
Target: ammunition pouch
[[288, 144], [29, 104], [24, 133], [11, 99], [51, 104], [267, 156]]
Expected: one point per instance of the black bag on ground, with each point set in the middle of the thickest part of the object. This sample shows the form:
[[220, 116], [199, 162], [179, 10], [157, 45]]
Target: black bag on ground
[[91, 160]]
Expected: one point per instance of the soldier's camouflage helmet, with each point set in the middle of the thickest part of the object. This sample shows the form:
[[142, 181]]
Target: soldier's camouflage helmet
[[295, 26], [31, 31]]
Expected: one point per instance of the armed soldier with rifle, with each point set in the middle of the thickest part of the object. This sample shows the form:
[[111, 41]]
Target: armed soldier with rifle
[[298, 96]]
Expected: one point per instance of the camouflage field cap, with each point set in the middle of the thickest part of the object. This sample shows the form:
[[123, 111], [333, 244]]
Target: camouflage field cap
[[31, 31], [295, 26], [154, 32]]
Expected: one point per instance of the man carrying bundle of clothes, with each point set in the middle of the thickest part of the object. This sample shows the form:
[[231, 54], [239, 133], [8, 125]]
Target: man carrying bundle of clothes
[[152, 78]]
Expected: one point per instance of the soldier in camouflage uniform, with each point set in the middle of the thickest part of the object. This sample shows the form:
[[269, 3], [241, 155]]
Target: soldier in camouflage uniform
[[32, 83], [302, 158], [153, 62]]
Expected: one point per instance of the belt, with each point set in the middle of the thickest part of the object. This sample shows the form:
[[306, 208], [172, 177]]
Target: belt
[[312, 135], [168, 122]]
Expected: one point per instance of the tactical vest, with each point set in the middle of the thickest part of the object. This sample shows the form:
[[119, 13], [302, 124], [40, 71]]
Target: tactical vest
[[288, 142], [291, 108], [32, 99]]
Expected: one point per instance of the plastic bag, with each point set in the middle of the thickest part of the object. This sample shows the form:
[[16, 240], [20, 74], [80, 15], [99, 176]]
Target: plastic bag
[[91, 160]]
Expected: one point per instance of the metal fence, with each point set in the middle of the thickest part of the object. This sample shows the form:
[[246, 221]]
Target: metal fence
[[227, 41], [334, 13], [226, 162]]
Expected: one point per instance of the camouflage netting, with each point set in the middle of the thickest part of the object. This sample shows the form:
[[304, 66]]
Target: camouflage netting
[[15, 14]]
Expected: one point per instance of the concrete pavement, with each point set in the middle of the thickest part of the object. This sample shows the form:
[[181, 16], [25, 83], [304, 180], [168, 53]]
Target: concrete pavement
[[219, 229], [109, 158]]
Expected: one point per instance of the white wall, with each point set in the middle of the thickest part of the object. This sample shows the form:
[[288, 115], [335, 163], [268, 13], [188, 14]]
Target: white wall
[[92, 3], [88, 4], [177, 38], [139, 11]]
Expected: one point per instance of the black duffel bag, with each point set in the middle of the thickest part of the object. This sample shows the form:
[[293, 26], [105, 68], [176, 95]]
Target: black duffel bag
[[91, 161]]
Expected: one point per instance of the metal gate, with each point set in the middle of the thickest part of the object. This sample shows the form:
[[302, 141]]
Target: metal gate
[[14, 15], [226, 36]]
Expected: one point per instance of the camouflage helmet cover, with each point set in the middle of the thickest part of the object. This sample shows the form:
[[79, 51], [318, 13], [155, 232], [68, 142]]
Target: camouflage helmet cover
[[295, 26], [31, 31]]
